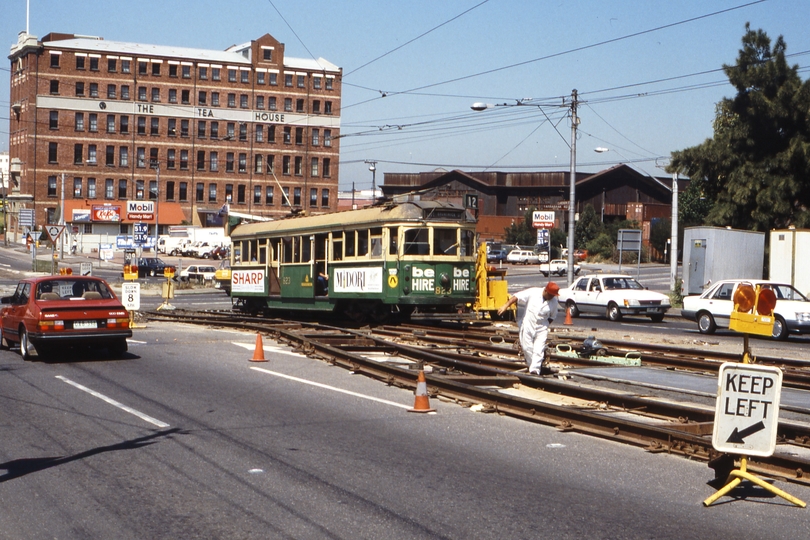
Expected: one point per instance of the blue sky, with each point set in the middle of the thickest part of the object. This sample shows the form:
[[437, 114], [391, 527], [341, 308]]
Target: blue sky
[[647, 71]]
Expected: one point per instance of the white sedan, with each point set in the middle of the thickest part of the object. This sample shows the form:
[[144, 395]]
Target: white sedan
[[559, 267], [613, 295], [712, 309]]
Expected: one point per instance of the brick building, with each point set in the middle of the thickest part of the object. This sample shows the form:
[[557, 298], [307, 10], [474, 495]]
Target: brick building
[[191, 129]]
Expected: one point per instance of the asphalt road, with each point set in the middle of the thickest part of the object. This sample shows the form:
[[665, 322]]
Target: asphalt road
[[214, 446]]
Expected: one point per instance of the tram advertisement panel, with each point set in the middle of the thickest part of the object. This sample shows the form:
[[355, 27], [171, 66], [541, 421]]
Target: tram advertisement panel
[[248, 281], [358, 280]]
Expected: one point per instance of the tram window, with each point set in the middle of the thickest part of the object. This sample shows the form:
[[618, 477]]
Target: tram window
[[296, 249], [417, 242], [362, 243], [320, 246], [263, 253], [376, 243], [286, 250], [445, 242], [254, 250], [337, 246], [350, 243], [467, 242], [306, 249], [392, 241]]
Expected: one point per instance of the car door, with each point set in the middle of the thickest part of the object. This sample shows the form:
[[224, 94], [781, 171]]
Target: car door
[[591, 295], [15, 313], [721, 303], [578, 293]]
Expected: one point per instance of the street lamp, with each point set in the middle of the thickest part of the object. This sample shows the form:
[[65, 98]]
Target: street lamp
[[479, 106], [156, 166], [373, 168]]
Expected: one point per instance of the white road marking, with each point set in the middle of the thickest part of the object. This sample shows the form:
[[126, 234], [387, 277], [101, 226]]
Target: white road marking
[[111, 401], [327, 387]]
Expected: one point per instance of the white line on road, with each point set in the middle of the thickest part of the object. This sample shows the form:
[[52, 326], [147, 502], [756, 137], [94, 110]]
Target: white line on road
[[111, 401], [327, 387]]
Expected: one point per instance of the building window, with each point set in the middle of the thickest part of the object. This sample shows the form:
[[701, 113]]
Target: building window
[[200, 129], [183, 195], [142, 68], [242, 132], [154, 128], [80, 89], [123, 156], [213, 161], [315, 136], [185, 96], [316, 106], [260, 102], [126, 65], [230, 131], [326, 167], [228, 193], [242, 162], [112, 66], [184, 128], [257, 194], [94, 63], [288, 104], [109, 156], [231, 100], [329, 83], [200, 160], [94, 90], [80, 60], [287, 134], [153, 191], [78, 154], [288, 79], [156, 92], [212, 193], [153, 158], [313, 197], [172, 70], [215, 71], [229, 162], [274, 79], [77, 188], [316, 82], [245, 76], [299, 105], [327, 107], [141, 93], [141, 125], [271, 161], [258, 164], [170, 157], [172, 127], [214, 130], [215, 99], [260, 77], [267, 55], [52, 185], [110, 123], [203, 71], [139, 189], [271, 133], [268, 195], [183, 160], [301, 81], [140, 158], [122, 189], [110, 91], [199, 192], [123, 124], [243, 101], [54, 87], [285, 201], [186, 70], [327, 137], [313, 167], [172, 95], [240, 194], [285, 165], [324, 198], [297, 196], [271, 103], [231, 75], [91, 184], [259, 133], [155, 69], [53, 120], [299, 166], [109, 188], [299, 135], [93, 125], [55, 60], [202, 97], [124, 91], [169, 190]]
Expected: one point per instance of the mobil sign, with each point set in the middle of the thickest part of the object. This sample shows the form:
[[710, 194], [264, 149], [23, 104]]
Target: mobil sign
[[140, 210]]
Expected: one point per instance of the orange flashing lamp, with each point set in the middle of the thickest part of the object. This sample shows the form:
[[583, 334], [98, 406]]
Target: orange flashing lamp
[[753, 310]]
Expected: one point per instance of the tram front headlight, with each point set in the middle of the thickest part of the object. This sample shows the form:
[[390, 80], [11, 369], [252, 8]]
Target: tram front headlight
[[445, 280]]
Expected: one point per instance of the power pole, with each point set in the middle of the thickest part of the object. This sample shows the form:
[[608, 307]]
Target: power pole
[[572, 187]]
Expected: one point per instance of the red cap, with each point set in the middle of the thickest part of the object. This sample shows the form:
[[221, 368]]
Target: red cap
[[552, 288]]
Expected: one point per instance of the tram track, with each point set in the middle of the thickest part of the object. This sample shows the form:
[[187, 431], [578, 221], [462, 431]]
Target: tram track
[[479, 367]]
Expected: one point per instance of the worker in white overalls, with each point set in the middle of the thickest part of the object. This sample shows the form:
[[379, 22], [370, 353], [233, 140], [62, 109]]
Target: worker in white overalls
[[537, 309]]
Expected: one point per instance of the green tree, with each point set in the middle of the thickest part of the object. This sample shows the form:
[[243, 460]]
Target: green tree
[[522, 232], [588, 226], [755, 171]]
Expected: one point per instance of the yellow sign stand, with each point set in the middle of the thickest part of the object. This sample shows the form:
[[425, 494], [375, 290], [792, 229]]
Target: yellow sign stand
[[753, 314]]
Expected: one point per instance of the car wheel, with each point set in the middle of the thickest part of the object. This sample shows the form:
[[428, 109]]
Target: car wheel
[[152, 272], [613, 313], [25, 345], [780, 329], [3, 343], [572, 308], [545, 274], [118, 349], [657, 318], [706, 324]]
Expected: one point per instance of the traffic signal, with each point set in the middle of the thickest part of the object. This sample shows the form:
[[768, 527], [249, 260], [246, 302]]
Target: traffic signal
[[753, 309]]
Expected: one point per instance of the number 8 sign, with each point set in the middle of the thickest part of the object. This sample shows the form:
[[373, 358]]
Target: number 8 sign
[[131, 296]]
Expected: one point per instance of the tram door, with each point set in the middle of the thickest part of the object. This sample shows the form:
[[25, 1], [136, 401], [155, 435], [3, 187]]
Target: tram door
[[320, 268]]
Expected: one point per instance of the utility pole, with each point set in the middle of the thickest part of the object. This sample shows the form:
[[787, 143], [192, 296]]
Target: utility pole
[[572, 188], [62, 218], [673, 246]]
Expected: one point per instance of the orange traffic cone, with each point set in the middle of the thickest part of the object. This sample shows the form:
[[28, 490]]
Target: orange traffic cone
[[568, 321], [258, 353], [421, 402]]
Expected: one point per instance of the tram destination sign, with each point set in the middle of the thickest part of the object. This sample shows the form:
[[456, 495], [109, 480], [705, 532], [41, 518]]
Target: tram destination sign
[[747, 412]]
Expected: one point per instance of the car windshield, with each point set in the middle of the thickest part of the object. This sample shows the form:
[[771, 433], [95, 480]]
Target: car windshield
[[616, 283], [786, 292], [72, 289]]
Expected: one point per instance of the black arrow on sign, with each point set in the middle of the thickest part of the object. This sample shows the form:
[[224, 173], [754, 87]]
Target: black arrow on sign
[[738, 437]]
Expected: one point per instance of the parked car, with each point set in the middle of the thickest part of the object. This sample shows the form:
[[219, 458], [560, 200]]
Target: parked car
[[522, 256], [197, 272], [223, 276], [712, 309], [496, 255], [221, 252], [150, 266], [48, 313], [613, 295], [558, 267]]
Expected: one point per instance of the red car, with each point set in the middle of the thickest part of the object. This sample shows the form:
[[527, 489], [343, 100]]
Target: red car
[[52, 312]]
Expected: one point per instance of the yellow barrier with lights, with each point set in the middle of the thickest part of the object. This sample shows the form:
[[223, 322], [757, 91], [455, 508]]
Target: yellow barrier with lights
[[753, 310]]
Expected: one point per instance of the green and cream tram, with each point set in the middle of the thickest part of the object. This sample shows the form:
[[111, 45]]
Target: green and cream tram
[[392, 258]]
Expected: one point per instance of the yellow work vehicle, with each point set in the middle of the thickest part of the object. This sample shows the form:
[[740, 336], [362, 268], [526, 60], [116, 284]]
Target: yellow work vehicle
[[491, 285]]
